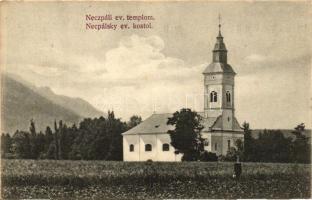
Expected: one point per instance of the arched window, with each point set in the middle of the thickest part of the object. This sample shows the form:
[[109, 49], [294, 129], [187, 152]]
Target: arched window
[[213, 96], [228, 96], [206, 142], [131, 148], [216, 146], [165, 147], [148, 147]]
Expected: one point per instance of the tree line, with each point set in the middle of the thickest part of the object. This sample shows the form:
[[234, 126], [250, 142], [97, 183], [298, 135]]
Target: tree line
[[94, 139], [270, 146], [101, 139], [273, 146]]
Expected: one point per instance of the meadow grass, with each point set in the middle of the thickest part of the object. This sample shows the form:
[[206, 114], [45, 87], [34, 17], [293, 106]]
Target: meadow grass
[[109, 179]]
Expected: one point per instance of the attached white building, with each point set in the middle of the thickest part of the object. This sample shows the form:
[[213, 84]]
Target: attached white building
[[150, 140]]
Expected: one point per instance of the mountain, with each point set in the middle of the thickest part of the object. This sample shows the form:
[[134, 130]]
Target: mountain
[[20, 104], [77, 105]]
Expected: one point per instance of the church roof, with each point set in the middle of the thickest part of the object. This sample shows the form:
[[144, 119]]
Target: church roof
[[217, 125], [219, 46], [157, 123], [217, 67]]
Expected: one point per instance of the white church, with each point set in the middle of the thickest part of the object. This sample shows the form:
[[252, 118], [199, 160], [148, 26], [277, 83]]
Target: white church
[[150, 140]]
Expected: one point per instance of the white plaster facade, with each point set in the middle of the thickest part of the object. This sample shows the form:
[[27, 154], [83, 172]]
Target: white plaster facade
[[216, 142], [220, 142], [157, 153]]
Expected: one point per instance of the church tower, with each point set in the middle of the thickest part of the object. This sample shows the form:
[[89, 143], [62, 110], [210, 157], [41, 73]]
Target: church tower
[[219, 86]]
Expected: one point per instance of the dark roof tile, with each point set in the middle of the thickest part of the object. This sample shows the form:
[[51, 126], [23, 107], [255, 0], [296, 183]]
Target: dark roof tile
[[157, 123], [217, 67]]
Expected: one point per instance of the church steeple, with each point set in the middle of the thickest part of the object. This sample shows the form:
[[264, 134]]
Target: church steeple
[[219, 86], [219, 51], [219, 26]]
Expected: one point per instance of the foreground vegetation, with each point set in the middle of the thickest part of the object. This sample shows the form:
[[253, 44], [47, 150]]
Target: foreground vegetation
[[109, 179]]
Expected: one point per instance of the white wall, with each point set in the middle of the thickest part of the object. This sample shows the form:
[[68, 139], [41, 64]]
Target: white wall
[[166, 155], [227, 119], [157, 153], [221, 138], [157, 140], [207, 136], [127, 155]]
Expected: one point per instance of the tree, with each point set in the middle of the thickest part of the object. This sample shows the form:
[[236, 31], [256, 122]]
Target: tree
[[301, 149], [271, 146], [21, 145], [61, 134], [56, 142], [186, 137], [99, 138], [6, 144], [40, 142], [48, 138], [248, 143], [64, 143], [134, 121], [115, 128], [67, 140], [34, 151]]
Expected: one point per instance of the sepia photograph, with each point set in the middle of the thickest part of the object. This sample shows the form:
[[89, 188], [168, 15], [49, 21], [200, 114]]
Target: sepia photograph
[[156, 100]]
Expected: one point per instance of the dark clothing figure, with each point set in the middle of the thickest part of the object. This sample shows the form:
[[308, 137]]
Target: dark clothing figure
[[237, 170]]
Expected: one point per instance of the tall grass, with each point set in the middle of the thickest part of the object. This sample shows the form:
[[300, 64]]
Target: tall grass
[[153, 180]]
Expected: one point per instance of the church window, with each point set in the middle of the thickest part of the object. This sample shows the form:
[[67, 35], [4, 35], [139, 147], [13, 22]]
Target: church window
[[228, 96], [206, 143], [165, 147], [148, 147], [216, 146], [131, 148], [213, 96], [229, 144]]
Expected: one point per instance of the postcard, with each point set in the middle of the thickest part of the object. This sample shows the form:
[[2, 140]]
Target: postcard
[[155, 100]]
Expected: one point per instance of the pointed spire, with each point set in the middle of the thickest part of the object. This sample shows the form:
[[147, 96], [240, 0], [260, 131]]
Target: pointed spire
[[219, 51], [219, 25], [219, 57]]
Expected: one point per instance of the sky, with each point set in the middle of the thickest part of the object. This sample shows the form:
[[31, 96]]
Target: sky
[[160, 69]]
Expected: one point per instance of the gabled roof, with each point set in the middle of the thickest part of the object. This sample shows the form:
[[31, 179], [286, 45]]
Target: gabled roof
[[218, 125], [217, 67], [157, 123], [208, 122]]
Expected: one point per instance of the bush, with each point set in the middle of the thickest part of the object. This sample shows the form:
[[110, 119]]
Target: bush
[[191, 156], [208, 156], [231, 155]]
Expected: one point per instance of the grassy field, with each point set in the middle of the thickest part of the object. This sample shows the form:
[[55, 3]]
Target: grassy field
[[105, 180]]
